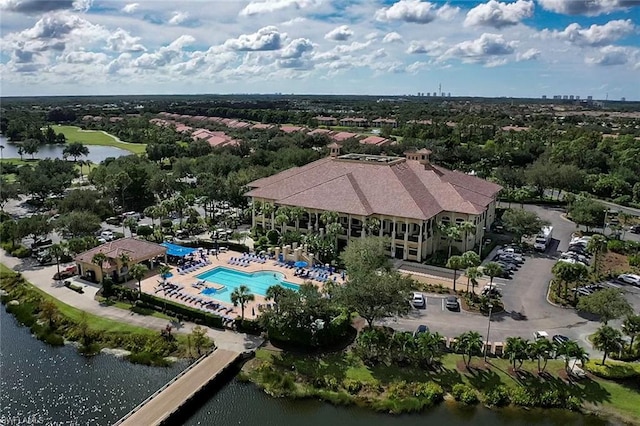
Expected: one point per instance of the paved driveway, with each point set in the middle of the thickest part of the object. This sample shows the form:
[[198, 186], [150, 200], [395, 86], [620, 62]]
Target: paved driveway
[[525, 293]]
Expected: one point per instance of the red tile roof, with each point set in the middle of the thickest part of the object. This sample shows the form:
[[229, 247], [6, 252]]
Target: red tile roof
[[319, 132], [375, 140], [291, 129], [137, 250], [401, 188], [341, 136]]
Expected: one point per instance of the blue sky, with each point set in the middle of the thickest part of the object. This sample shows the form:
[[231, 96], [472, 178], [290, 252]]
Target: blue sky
[[522, 48]]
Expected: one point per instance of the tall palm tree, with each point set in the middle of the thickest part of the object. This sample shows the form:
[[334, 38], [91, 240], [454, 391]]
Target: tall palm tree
[[138, 272], [473, 273], [328, 217], [631, 327], [124, 259], [267, 210], [282, 218], [466, 228], [492, 270], [57, 251], [179, 205], [151, 212], [469, 344], [99, 259], [456, 263], [597, 245], [566, 350], [164, 271], [241, 296], [451, 232], [607, 339], [541, 350], [372, 225], [295, 214], [275, 293], [568, 273], [429, 347], [517, 350]]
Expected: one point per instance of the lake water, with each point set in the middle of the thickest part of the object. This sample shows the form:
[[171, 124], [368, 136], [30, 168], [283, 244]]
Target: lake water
[[97, 153], [40, 384]]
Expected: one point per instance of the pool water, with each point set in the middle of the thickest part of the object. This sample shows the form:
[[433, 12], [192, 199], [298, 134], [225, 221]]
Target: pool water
[[258, 282]]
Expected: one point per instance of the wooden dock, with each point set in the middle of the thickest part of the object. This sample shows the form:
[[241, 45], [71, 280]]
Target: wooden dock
[[159, 407]]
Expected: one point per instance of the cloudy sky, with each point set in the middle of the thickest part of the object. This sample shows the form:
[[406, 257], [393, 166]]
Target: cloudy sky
[[475, 48]]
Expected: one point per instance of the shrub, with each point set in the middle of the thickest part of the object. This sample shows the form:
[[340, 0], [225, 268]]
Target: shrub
[[166, 223], [148, 358], [352, 386], [193, 314], [21, 252], [497, 397], [520, 396], [613, 370], [144, 230], [465, 394], [634, 260], [273, 236]]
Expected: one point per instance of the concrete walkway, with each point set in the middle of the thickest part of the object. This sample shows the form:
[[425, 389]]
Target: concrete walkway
[[42, 277]]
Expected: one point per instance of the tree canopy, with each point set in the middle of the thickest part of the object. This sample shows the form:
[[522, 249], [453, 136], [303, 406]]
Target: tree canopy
[[608, 304]]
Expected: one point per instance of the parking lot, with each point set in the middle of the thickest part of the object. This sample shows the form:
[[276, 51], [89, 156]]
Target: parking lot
[[523, 294]]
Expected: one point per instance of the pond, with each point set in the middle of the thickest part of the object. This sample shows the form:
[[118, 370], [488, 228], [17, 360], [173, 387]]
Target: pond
[[97, 153]]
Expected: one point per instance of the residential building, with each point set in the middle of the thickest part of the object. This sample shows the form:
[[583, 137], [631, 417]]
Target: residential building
[[409, 196], [326, 121], [121, 255], [354, 122], [382, 122]]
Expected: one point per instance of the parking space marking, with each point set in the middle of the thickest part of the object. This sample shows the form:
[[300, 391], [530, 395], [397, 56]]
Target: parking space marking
[[443, 304], [613, 285]]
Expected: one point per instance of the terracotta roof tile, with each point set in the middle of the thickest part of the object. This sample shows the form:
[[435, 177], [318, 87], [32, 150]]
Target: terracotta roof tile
[[138, 250]]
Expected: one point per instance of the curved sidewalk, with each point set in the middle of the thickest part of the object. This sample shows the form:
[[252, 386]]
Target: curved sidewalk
[[41, 277]]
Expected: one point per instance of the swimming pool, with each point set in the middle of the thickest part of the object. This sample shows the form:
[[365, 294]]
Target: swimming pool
[[258, 282]]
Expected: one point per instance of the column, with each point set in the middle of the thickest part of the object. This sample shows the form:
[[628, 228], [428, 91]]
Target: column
[[420, 236], [406, 240], [317, 224], [253, 213], [393, 238], [273, 217], [349, 227], [362, 233], [308, 221], [381, 230]]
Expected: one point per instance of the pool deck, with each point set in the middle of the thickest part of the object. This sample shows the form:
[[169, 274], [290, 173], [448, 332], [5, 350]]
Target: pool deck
[[150, 284]]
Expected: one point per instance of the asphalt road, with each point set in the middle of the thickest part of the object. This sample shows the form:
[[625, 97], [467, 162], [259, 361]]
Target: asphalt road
[[525, 293]]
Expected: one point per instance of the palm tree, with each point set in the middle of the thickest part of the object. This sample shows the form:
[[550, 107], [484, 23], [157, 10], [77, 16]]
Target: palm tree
[[371, 225], [492, 270], [566, 350], [57, 251], [296, 213], [267, 210], [275, 293], [631, 327], [541, 350], [451, 232], [567, 273], [473, 273], [456, 263], [597, 245], [130, 223], [607, 339], [179, 205], [466, 227], [241, 296], [428, 347], [99, 259], [469, 344], [516, 350], [138, 272], [124, 259], [282, 218], [471, 259], [164, 271], [151, 212], [579, 354], [328, 217]]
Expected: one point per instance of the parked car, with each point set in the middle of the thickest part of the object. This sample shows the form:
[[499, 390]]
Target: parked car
[[452, 303], [576, 256], [560, 339], [418, 300], [41, 242], [511, 257], [66, 273], [577, 372], [134, 215], [114, 220], [491, 290], [506, 266], [107, 235], [632, 279], [421, 329], [635, 229], [540, 335]]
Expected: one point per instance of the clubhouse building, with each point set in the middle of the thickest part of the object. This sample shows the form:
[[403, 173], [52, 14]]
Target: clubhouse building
[[409, 196]]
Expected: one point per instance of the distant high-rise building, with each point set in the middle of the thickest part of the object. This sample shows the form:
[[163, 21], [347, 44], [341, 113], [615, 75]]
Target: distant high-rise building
[[571, 97], [589, 98], [565, 97], [623, 99], [557, 97], [449, 94], [428, 94], [544, 96], [577, 97]]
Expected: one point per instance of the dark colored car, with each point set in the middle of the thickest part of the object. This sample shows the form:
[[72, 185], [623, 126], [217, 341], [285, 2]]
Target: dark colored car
[[421, 329], [560, 339], [635, 229]]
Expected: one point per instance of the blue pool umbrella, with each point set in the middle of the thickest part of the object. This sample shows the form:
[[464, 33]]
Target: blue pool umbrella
[[300, 264]]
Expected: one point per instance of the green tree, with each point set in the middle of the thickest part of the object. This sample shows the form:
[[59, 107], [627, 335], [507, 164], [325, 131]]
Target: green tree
[[456, 263], [57, 251], [49, 312], [164, 271], [541, 350], [138, 272], [8, 191], [522, 223], [517, 350], [451, 233], [587, 212], [466, 228], [608, 304], [80, 223], [99, 259], [364, 255], [597, 245], [241, 296], [125, 259], [296, 214], [471, 259], [469, 344], [371, 226], [607, 339], [31, 147], [631, 327], [568, 273], [267, 210], [199, 338], [75, 150], [275, 293], [492, 270], [473, 273], [375, 296]]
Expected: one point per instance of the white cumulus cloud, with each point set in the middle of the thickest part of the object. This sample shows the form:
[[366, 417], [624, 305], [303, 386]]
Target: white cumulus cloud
[[414, 11], [121, 41], [586, 7], [179, 18], [528, 55], [341, 33], [131, 7], [267, 38], [499, 15], [612, 55], [487, 49], [164, 55], [595, 35], [269, 6], [392, 37], [42, 6]]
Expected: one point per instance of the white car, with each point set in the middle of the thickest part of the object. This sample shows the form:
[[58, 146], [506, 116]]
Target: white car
[[572, 261], [630, 279], [107, 235], [418, 300], [511, 257]]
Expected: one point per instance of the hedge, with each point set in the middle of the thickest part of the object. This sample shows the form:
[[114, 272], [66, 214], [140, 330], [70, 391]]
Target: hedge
[[613, 370], [193, 314], [210, 244]]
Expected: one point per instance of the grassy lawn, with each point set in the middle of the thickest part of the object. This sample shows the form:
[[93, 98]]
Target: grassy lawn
[[597, 394], [140, 311], [92, 137]]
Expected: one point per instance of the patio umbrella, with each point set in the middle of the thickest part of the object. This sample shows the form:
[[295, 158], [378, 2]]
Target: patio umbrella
[[300, 264], [253, 311]]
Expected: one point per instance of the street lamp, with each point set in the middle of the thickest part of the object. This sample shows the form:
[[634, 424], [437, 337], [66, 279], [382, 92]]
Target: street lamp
[[604, 227], [486, 344]]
